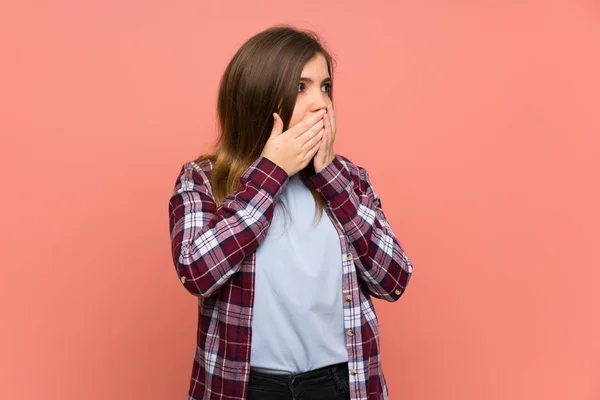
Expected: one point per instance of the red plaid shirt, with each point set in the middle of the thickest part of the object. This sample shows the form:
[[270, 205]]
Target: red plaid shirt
[[214, 255]]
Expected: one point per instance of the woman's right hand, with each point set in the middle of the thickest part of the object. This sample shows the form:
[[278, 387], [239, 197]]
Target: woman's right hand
[[293, 149]]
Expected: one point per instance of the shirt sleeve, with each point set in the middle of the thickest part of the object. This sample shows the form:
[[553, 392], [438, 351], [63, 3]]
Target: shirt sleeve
[[209, 243], [382, 263]]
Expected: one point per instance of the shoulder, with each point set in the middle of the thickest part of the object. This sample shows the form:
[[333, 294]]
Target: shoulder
[[194, 175], [355, 169], [349, 165], [358, 173]]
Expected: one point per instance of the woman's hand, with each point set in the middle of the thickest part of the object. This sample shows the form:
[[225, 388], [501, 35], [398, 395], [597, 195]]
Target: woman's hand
[[293, 149], [325, 154]]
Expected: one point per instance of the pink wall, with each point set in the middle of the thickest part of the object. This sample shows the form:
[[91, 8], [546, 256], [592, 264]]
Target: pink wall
[[489, 113]]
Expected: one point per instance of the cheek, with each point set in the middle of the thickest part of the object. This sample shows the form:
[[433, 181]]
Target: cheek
[[293, 121], [296, 118]]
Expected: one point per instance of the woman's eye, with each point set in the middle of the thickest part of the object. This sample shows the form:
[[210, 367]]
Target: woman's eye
[[325, 84]]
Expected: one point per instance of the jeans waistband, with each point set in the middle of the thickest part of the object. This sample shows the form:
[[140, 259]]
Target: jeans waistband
[[337, 369]]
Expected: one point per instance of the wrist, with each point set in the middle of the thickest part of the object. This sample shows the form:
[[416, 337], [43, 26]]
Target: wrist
[[327, 163]]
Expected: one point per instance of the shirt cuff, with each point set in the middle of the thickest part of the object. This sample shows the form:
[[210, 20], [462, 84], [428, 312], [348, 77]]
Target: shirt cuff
[[332, 180], [266, 175]]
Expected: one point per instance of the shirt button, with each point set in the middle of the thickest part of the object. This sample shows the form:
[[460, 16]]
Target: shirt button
[[350, 332], [348, 298], [183, 280], [353, 372], [398, 292], [349, 256]]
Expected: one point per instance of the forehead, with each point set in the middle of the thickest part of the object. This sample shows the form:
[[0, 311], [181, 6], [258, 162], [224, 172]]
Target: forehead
[[316, 67]]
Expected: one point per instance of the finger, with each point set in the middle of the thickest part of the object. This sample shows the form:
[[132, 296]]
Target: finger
[[330, 131], [314, 140], [308, 135], [327, 120], [330, 134], [277, 125], [306, 124], [318, 140], [315, 149], [331, 114], [323, 143]]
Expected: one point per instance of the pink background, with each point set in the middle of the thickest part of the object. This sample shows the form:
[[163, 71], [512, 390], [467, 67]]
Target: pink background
[[478, 121]]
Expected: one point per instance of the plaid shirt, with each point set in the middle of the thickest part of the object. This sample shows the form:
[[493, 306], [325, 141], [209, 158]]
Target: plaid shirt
[[214, 255]]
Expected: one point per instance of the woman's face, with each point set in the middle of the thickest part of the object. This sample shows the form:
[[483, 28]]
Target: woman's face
[[313, 89]]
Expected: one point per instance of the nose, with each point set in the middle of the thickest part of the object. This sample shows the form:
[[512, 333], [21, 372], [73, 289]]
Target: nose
[[319, 101]]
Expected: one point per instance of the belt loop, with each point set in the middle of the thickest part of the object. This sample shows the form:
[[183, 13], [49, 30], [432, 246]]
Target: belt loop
[[338, 383], [337, 371]]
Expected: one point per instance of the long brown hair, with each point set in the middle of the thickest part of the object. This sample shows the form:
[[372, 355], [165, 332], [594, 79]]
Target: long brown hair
[[262, 78]]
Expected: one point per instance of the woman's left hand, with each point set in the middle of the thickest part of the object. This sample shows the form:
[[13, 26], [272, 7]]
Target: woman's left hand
[[325, 155]]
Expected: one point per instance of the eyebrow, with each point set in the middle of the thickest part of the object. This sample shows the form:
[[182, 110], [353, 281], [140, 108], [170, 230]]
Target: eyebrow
[[305, 79]]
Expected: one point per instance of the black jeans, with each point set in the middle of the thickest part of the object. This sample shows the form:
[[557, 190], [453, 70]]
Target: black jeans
[[327, 383]]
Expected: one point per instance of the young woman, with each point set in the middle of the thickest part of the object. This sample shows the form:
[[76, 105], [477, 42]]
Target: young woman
[[285, 307]]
